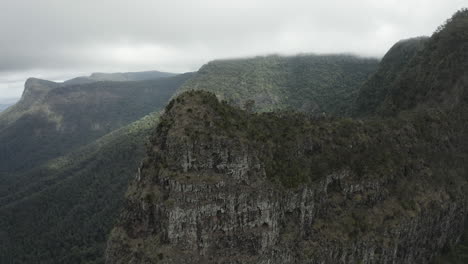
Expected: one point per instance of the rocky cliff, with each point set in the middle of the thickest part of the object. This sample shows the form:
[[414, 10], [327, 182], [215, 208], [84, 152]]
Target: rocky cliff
[[220, 185]]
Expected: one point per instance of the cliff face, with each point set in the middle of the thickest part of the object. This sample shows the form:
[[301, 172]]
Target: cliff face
[[223, 186], [220, 185]]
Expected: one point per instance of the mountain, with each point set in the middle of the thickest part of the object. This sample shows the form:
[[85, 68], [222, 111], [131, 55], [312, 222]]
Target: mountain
[[119, 77], [52, 119], [308, 83], [223, 185]]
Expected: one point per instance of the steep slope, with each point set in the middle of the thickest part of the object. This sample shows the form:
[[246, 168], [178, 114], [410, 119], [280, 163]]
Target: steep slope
[[436, 75], [308, 83], [52, 119], [119, 77], [220, 185], [65, 214], [375, 90]]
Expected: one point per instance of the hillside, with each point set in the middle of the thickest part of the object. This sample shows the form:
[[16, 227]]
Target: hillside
[[434, 74], [308, 83], [376, 89], [51, 119], [63, 210]]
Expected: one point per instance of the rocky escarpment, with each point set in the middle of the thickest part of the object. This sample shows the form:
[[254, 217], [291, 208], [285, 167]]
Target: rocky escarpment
[[220, 185]]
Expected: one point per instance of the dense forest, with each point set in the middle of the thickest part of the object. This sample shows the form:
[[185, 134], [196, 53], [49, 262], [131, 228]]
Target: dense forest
[[308, 83]]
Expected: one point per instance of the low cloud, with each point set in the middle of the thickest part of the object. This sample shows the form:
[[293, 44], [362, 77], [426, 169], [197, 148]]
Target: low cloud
[[56, 39]]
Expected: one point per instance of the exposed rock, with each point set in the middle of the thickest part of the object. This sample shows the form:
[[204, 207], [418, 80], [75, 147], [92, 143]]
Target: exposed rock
[[205, 194]]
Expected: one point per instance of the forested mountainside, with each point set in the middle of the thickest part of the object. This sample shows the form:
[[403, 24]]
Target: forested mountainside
[[435, 74], [51, 119], [119, 77], [223, 185], [63, 210], [308, 83], [375, 89]]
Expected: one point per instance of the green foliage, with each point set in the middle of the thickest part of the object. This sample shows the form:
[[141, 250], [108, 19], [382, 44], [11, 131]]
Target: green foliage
[[61, 210], [65, 214], [435, 75], [375, 90], [307, 83], [297, 148]]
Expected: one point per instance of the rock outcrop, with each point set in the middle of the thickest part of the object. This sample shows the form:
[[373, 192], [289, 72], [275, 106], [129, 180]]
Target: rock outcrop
[[221, 185]]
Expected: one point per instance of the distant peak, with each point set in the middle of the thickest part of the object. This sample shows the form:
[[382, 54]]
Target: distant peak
[[35, 89]]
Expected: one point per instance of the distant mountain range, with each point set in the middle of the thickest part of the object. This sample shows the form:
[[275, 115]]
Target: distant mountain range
[[119, 77]]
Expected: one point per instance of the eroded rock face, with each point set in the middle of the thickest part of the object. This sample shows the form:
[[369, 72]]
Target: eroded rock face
[[209, 199]]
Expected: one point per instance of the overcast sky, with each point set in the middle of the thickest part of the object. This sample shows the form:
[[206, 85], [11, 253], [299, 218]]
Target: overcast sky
[[60, 39]]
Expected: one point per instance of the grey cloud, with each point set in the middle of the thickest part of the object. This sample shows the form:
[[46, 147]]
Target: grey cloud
[[64, 37]]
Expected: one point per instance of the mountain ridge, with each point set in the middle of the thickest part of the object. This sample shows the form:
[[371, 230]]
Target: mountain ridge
[[119, 77], [223, 185], [308, 83], [339, 181]]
